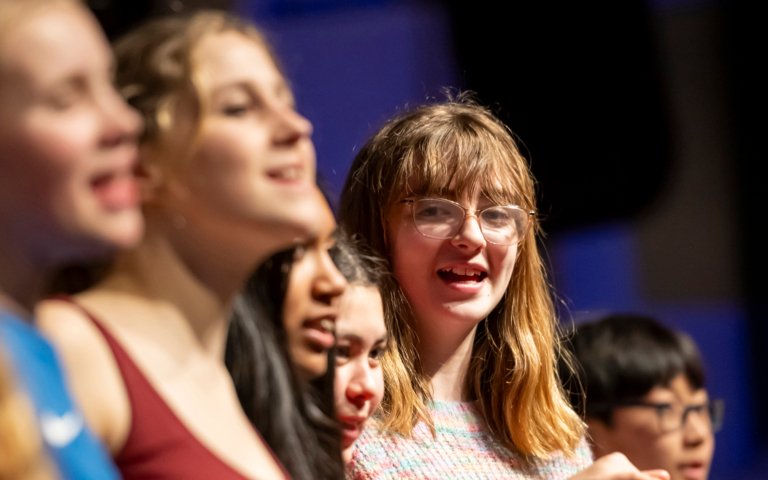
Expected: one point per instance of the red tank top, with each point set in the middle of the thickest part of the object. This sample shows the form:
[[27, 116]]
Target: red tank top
[[159, 446]]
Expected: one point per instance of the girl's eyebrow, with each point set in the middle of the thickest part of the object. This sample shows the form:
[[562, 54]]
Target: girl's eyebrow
[[354, 337], [235, 85], [281, 91]]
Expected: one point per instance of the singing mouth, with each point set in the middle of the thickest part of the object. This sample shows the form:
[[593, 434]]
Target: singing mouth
[[321, 332], [289, 173], [462, 274], [327, 324]]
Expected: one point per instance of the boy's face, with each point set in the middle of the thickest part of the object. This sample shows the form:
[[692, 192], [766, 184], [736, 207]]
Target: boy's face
[[654, 437]]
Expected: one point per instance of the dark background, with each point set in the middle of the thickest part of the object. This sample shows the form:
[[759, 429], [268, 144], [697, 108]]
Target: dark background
[[640, 119]]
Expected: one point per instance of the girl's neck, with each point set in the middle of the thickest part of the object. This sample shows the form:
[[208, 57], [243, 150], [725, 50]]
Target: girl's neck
[[445, 359], [184, 292], [203, 256]]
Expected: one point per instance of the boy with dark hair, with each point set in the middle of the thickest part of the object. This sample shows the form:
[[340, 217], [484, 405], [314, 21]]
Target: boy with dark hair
[[641, 388]]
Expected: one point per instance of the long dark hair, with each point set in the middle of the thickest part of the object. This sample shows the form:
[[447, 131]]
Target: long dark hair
[[295, 418]]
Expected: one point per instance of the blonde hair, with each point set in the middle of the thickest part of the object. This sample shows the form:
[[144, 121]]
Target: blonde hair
[[21, 449], [513, 370], [156, 72]]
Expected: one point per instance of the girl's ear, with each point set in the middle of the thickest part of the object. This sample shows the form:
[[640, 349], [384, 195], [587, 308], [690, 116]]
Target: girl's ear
[[150, 176]]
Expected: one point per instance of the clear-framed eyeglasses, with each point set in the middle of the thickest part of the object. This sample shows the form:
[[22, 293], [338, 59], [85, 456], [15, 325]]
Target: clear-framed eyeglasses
[[441, 218], [673, 416]]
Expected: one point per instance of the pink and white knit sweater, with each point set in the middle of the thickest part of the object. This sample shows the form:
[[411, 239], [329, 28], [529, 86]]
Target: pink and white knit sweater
[[462, 449]]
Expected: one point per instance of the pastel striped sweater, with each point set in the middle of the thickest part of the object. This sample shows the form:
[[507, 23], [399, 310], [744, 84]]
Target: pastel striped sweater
[[462, 449]]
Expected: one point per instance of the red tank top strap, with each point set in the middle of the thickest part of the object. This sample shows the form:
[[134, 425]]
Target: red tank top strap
[[158, 445]]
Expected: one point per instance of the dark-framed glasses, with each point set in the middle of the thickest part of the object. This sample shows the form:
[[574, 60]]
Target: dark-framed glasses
[[441, 218], [673, 416]]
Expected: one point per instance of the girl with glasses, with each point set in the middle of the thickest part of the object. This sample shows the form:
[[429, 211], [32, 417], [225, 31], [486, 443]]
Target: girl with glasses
[[471, 384], [227, 167], [644, 394]]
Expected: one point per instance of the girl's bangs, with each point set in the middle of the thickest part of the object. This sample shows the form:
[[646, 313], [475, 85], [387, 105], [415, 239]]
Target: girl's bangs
[[462, 166]]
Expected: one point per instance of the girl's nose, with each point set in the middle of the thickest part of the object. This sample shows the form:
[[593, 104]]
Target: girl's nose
[[361, 387], [330, 284], [470, 235], [290, 125], [121, 122]]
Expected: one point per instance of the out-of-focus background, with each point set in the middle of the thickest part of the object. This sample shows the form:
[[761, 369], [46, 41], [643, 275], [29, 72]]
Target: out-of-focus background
[[640, 119]]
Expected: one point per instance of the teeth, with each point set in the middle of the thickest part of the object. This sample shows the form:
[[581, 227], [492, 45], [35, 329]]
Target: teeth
[[327, 324], [464, 271], [293, 173]]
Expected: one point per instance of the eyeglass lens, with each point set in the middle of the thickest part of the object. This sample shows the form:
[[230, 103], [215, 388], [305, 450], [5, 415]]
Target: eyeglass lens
[[673, 418], [440, 218]]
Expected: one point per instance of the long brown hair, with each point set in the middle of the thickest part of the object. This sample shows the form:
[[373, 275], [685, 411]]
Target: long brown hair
[[513, 371]]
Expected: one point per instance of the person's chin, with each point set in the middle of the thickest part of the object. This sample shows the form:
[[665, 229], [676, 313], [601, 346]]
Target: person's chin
[[472, 310], [346, 454], [127, 230], [312, 365]]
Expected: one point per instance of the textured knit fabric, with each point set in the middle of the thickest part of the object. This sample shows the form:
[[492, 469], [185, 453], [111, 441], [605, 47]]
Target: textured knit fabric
[[159, 446], [462, 449], [73, 449]]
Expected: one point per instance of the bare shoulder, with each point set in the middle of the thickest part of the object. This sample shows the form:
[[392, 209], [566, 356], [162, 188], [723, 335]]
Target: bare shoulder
[[65, 324], [90, 367], [74, 335]]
